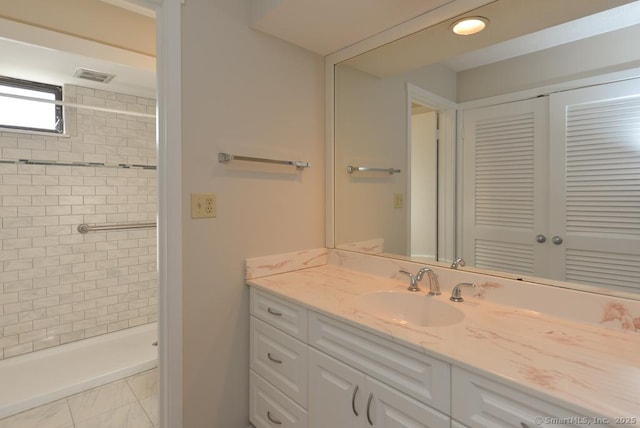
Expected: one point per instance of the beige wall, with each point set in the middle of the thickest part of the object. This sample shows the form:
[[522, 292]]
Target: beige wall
[[371, 129], [88, 19], [251, 94], [609, 52]]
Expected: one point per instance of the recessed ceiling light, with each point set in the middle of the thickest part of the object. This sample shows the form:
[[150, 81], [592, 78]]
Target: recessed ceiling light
[[469, 25]]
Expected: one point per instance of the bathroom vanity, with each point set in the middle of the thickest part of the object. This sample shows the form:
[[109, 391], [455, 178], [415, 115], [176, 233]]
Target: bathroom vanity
[[332, 346]]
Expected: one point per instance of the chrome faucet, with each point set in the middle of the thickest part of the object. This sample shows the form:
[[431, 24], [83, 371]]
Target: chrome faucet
[[457, 263], [456, 293], [434, 285], [413, 279]]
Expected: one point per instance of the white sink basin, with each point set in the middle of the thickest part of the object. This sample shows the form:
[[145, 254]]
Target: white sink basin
[[410, 308]]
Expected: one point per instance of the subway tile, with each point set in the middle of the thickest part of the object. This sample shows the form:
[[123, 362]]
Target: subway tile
[[34, 294], [60, 271], [31, 336], [84, 325], [46, 221], [31, 232], [14, 351], [96, 313], [58, 210], [46, 261], [14, 308], [46, 302], [46, 180], [47, 342], [60, 329], [45, 200], [46, 323], [32, 273], [116, 326], [71, 337], [59, 310], [16, 286], [19, 328], [7, 341], [71, 239]]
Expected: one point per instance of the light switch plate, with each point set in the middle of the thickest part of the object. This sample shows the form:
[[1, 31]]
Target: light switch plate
[[203, 205], [398, 200]]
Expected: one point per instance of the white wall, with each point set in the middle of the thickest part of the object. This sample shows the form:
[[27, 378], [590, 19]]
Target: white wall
[[424, 185], [371, 129], [250, 94], [601, 54]]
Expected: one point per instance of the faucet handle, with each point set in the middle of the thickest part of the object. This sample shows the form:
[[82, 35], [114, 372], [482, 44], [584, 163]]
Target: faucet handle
[[457, 263], [414, 280], [456, 293]]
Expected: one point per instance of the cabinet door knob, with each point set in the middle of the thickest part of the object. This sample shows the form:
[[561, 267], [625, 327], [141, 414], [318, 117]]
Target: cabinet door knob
[[556, 240], [275, 421], [369, 409], [353, 400], [275, 360], [541, 239]]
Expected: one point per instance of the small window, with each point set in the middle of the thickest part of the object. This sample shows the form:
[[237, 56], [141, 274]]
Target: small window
[[30, 115]]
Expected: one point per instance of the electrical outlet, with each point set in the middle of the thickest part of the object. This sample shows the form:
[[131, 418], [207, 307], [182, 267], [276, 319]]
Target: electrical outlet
[[203, 205], [398, 200]]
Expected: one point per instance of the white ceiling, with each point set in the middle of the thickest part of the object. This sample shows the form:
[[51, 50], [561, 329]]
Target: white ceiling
[[42, 55], [325, 26], [40, 64], [516, 27]]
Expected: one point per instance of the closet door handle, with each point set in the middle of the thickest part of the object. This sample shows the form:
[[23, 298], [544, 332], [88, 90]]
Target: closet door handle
[[275, 360], [541, 239], [556, 240], [353, 400], [369, 408], [275, 421], [274, 312]]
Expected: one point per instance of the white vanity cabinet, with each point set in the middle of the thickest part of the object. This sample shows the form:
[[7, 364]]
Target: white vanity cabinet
[[481, 402], [278, 362], [352, 379], [342, 396], [312, 370]]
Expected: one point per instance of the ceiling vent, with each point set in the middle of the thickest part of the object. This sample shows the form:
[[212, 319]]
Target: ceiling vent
[[94, 76]]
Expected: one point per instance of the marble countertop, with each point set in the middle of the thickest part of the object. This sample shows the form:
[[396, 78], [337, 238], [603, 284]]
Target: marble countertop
[[590, 370]]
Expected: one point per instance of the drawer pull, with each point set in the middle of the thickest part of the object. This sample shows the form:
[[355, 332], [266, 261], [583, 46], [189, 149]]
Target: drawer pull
[[275, 421], [353, 401], [275, 360], [274, 312], [369, 409]]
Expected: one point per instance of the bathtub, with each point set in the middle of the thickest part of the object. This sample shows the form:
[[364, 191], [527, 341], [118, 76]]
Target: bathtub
[[40, 377]]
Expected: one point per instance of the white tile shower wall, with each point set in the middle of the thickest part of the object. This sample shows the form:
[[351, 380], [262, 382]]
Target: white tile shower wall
[[56, 285]]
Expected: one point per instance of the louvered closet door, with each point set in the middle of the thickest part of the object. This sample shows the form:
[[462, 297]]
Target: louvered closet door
[[595, 185], [505, 180]]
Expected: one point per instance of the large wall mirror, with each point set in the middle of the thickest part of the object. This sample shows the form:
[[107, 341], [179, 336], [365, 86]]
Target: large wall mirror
[[517, 148]]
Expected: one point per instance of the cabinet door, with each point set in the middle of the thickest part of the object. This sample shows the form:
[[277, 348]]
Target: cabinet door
[[336, 393], [389, 408], [595, 196], [505, 180]]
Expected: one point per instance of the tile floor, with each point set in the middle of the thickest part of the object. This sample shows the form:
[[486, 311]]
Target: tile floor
[[127, 403]]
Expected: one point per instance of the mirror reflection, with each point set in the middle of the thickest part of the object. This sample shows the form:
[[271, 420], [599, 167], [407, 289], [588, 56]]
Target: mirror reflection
[[517, 148]]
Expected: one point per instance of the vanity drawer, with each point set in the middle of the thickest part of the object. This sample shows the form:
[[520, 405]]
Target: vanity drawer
[[424, 378], [479, 402], [279, 313], [280, 359], [268, 406]]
